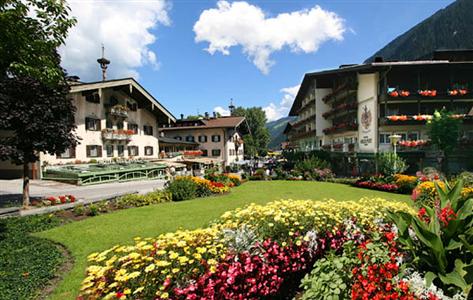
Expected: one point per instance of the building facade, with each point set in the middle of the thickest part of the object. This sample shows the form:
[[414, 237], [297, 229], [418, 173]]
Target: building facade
[[218, 138], [116, 119], [354, 109]]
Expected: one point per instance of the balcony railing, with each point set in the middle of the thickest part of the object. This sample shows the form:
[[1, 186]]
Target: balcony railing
[[117, 135], [120, 111]]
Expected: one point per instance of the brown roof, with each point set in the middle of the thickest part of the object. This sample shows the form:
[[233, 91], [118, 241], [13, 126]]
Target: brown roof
[[222, 122]]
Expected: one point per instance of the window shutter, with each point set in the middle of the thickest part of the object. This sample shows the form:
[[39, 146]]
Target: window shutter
[[87, 150], [99, 151], [99, 126], [87, 123], [72, 152]]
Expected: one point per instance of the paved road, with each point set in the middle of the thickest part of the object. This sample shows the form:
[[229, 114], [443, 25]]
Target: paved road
[[10, 190]]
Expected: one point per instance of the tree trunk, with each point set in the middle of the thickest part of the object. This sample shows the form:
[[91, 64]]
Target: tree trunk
[[26, 185]]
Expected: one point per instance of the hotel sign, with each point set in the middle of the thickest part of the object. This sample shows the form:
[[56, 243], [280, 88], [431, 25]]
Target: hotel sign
[[367, 128]]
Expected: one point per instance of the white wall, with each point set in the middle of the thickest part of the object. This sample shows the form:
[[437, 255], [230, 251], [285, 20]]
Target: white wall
[[367, 96], [225, 144], [97, 110]]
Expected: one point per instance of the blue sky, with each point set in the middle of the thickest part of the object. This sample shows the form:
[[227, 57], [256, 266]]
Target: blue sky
[[157, 46]]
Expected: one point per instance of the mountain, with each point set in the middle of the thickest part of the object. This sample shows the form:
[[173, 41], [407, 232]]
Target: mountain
[[276, 129], [448, 28]]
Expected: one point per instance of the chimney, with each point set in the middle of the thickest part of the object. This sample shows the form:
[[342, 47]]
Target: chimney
[[182, 116], [103, 62], [215, 115], [207, 115]]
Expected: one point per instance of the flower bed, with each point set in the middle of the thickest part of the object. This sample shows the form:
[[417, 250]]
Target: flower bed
[[387, 187], [49, 201], [247, 253]]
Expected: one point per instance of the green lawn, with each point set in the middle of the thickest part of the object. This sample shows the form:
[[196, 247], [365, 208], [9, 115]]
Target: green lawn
[[102, 232]]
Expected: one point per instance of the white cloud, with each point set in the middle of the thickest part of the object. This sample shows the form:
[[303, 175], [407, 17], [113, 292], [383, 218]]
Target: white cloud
[[275, 112], [222, 111], [240, 23], [124, 27]]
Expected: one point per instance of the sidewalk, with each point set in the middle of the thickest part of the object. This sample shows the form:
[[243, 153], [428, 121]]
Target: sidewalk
[[11, 190]]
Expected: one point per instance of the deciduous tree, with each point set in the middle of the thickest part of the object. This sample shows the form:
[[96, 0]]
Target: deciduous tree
[[444, 132], [257, 135], [35, 113]]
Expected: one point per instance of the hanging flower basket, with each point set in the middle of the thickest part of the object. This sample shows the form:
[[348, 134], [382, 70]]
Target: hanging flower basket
[[428, 93]]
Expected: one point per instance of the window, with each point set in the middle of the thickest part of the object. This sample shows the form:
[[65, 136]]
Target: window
[[134, 127], [133, 151], [148, 130], [148, 150], [108, 124], [113, 101], [121, 150], [93, 151], [232, 152], [384, 138], [132, 106], [69, 153], [202, 139], [109, 149], [204, 152], [215, 138], [92, 97], [403, 136], [178, 138], [216, 152], [92, 124], [190, 138], [413, 136], [120, 125]]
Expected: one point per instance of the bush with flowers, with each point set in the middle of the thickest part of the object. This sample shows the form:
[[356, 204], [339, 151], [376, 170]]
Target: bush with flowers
[[250, 253], [405, 183], [439, 239], [51, 200]]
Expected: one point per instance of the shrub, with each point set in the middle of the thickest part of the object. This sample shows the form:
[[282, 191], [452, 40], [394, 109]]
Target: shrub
[[182, 188], [467, 178], [405, 183], [93, 210], [138, 200], [441, 238], [390, 163], [331, 275], [27, 263], [79, 210]]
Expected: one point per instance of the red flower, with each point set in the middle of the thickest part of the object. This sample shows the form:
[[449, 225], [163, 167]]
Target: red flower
[[446, 215]]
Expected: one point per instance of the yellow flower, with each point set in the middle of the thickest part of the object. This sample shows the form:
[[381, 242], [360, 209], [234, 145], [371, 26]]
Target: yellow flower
[[150, 268]]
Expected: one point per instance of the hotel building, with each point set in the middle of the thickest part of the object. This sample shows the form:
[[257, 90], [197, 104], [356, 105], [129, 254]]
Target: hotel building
[[351, 111]]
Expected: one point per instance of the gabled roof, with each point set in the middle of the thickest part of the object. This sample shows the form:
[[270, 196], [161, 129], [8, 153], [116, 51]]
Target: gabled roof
[[221, 122], [128, 84]]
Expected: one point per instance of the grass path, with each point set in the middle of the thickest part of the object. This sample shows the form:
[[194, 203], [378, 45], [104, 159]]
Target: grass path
[[102, 232]]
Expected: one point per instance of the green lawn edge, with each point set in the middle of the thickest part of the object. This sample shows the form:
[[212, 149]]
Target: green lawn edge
[[120, 227]]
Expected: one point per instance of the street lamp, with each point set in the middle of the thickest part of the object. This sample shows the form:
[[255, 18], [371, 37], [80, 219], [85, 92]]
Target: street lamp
[[394, 139]]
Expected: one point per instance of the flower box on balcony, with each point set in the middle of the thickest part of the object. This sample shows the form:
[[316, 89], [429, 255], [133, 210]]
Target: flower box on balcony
[[119, 111], [118, 135]]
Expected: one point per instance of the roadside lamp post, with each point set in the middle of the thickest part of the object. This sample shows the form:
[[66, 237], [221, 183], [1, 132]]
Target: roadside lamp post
[[394, 140]]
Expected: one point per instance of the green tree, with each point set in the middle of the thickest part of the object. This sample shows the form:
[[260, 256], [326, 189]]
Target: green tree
[[256, 136], [34, 108], [444, 132]]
